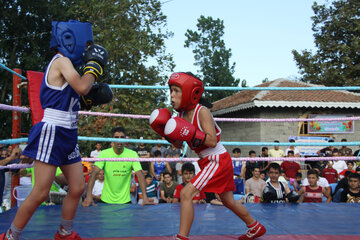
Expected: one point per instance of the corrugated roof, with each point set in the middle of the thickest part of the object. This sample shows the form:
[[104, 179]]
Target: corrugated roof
[[248, 99]]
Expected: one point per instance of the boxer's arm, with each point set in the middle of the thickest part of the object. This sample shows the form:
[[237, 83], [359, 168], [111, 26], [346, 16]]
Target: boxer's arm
[[208, 126]]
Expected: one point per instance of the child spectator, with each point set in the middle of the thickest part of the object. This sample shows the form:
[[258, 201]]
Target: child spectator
[[263, 175], [255, 185], [350, 167], [237, 164], [188, 173], [98, 186], [276, 191], [150, 190], [157, 167], [167, 189], [298, 182], [322, 182], [330, 173], [313, 192], [352, 194], [290, 167]]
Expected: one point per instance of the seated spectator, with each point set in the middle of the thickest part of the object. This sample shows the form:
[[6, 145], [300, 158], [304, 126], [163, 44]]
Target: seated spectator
[[276, 191], [255, 184], [167, 189], [250, 165], [344, 150], [313, 192], [295, 151], [330, 173], [237, 164], [188, 173], [276, 152], [297, 182], [352, 194], [98, 186], [350, 168], [150, 190], [264, 164], [263, 174], [290, 167], [213, 198], [157, 167], [342, 185], [339, 165], [322, 182], [143, 152]]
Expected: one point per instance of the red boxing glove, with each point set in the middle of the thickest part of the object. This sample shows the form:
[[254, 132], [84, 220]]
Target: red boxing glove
[[158, 120], [179, 129]]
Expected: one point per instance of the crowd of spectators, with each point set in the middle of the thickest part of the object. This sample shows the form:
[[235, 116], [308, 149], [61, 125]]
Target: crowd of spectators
[[256, 181]]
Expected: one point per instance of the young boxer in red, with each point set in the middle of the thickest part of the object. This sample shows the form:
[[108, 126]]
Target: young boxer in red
[[196, 126]]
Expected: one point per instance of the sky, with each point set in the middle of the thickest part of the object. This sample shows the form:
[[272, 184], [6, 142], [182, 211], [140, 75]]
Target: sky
[[260, 33]]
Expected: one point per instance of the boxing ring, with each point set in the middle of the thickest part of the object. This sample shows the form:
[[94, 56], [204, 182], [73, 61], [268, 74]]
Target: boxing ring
[[305, 221]]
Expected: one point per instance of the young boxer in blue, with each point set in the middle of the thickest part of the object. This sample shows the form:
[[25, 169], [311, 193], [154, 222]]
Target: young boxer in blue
[[53, 141]]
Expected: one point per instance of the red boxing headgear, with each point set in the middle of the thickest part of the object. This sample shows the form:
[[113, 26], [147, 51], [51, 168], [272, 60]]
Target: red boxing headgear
[[191, 87]]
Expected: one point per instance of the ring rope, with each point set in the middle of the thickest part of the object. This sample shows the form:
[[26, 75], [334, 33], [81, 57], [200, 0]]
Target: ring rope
[[227, 143], [10, 70], [138, 116]]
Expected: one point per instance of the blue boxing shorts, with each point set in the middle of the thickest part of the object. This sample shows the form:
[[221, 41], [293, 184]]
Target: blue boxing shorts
[[53, 144]]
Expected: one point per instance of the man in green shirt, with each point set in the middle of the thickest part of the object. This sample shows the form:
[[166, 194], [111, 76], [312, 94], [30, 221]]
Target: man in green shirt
[[117, 178]]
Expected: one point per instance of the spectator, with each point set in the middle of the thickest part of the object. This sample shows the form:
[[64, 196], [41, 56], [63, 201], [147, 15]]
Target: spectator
[[352, 194], [276, 152], [158, 167], [213, 198], [95, 153], [255, 184], [327, 151], [4, 160], [313, 192], [298, 182], [143, 152], [339, 165], [167, 189], [322, 182], [275, 191], [263, 175], [290, 167], [151, 188], [117, 179], [188, 173], [250, 165], [237, 164], [350, 168], [342, 185], [178, 172], [173, 152], [264, 164], [98, 186], [344, 150], [358, 170], [160, 148], [330, 173], [296, 152]]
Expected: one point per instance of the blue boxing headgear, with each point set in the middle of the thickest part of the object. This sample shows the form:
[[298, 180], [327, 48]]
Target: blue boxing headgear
[[70, 38]]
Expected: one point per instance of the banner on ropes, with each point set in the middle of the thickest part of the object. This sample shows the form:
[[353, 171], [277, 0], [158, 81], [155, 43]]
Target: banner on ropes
[[309, 150], [332, 127]]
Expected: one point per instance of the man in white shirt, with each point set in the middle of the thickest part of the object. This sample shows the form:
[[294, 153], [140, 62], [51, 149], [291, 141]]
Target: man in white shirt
[[255, 184], [95, 153]]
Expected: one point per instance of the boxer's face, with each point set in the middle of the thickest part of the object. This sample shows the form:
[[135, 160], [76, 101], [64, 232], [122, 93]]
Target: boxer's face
[[175, 94]]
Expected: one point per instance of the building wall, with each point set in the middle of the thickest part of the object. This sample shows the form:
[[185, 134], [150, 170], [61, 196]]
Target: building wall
[[270, 131]]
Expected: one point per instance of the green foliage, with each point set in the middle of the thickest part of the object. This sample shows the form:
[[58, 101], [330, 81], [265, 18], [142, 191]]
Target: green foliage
[[133, 33], [25, 35], [336, 61], [212, 56]]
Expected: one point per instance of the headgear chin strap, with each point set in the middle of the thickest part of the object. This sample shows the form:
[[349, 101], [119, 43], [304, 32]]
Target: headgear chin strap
[[70, 38], [191, 87]]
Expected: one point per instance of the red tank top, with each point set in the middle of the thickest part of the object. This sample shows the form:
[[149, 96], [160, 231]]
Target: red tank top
[[196, 122], [313, 195]]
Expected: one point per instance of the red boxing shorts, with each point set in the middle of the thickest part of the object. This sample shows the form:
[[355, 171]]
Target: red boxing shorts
[[216, 174]]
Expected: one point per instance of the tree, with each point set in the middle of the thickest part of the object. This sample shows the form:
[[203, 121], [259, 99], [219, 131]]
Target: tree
[[25, 35], [133, 32], [212, 56], [336, 61]]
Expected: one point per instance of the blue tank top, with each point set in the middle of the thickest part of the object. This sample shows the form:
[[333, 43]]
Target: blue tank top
[[237, 167], [159, 167], [60, 98]]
